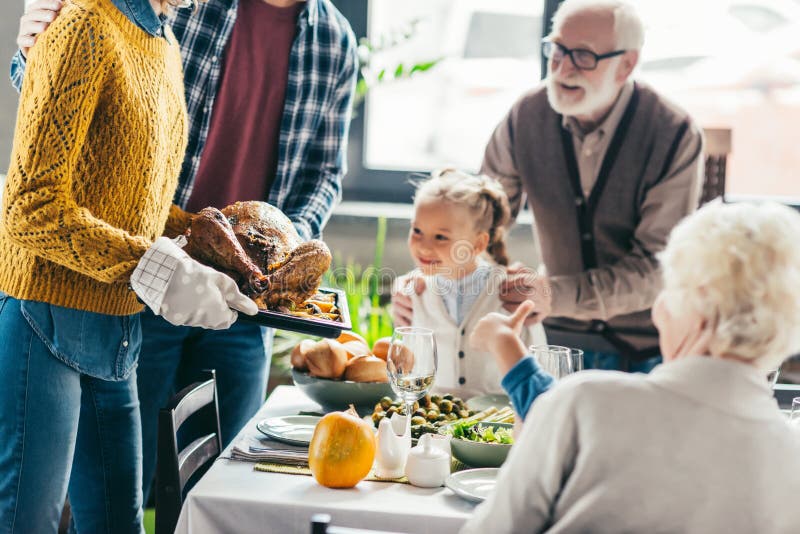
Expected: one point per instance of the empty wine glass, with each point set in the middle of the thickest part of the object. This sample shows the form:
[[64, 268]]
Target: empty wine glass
[[794, 415], [411, 364], [558, 361]]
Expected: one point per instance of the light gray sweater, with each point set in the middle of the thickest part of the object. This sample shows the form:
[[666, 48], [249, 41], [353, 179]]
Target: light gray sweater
[[697, 446]]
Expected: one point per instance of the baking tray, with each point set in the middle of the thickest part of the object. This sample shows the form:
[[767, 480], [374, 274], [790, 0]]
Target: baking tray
[[313, 327]]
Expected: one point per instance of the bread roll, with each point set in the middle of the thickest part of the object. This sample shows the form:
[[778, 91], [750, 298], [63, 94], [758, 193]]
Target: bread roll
[[381, 347], [326, 359], [299, 352], [366, 369], [355, 349]]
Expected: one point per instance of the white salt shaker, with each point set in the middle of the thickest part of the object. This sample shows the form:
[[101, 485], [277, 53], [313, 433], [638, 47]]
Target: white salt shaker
[[428, 464]]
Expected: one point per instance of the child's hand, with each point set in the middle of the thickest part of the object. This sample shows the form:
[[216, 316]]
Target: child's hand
[[499, 334]]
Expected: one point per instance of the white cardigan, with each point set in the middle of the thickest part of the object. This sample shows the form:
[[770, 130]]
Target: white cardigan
[[697, 446], [462, 370]]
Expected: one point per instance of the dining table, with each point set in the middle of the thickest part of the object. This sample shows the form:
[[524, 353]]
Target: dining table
[[235, 497]]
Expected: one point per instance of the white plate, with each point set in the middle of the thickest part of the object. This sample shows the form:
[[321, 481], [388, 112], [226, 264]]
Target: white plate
[[483, 402], [292, 429], [473, 484]]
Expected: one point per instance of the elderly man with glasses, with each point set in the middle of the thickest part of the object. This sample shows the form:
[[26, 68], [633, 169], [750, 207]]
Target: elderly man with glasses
[[608, 167]]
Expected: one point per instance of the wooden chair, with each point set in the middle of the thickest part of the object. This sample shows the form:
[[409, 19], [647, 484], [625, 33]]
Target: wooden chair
[[176, 467], [718, 146], [320, 524]]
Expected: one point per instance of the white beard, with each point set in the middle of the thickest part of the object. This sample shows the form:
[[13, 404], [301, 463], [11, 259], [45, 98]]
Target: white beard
[[593, 99]]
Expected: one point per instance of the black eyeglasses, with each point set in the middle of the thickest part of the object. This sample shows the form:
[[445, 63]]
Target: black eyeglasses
[[582, 59]]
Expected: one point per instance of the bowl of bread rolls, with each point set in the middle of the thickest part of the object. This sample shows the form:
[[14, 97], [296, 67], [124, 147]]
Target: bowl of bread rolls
[[344, 371]]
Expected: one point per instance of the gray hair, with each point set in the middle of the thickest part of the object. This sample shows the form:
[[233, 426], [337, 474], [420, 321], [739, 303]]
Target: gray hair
[[628, 25], [738, 266]]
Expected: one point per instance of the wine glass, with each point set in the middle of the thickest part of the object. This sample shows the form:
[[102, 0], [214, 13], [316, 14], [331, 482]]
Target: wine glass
[[557, 360], [794, 415], [411, 364]]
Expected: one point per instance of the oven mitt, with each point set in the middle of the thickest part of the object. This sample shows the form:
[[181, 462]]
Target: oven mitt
[[184, 291]]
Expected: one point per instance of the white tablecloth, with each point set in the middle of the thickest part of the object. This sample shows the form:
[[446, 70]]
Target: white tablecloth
[[233, 497]]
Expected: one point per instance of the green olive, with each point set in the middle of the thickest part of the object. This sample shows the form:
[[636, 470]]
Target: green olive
[[463, 414], [447, 397], [432, 416], [435, 399], [446, 406], [392, 410], [417, 420], [386, 402]]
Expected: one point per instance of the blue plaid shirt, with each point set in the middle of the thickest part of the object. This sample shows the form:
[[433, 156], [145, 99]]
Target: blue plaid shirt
[[312, 144]]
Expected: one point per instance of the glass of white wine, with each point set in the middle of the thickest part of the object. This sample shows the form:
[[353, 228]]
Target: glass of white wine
[[411, 364]]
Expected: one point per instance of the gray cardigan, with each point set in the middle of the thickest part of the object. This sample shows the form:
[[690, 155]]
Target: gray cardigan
[[696, 446]]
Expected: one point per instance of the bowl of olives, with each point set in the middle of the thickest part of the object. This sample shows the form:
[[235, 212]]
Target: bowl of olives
[[431, 412]]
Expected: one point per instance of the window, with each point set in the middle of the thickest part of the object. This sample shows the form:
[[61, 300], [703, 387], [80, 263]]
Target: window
[[733, 64], [490, 56]]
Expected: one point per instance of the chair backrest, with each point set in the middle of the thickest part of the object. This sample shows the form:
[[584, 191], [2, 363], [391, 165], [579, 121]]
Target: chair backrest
[[320, 524], [717, 148], [175, 467]]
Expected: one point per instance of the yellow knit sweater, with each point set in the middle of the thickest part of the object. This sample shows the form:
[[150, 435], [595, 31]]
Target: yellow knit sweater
[[99, 141]]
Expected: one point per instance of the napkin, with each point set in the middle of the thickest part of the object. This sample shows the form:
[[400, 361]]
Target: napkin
[[263, 449]]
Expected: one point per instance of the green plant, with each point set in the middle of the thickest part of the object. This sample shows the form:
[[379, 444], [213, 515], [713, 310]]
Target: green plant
[[368, 315], [370, 50]]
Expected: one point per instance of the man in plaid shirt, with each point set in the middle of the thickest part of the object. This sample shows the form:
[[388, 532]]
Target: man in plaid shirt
[[269, 88]]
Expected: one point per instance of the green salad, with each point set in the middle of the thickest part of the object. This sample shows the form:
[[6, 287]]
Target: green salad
[[479, 432]]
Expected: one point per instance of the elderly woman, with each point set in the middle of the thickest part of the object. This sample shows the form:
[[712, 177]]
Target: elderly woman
[[713, 452]]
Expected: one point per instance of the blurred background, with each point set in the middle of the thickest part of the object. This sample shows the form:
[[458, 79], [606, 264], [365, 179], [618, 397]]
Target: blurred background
[[732, 63], [438, 75]]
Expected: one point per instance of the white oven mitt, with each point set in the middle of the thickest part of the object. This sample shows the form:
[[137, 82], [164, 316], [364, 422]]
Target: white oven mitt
[[184, 291]]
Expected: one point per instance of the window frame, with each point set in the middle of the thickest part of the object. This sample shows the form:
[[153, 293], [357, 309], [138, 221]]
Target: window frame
[[380, 185]]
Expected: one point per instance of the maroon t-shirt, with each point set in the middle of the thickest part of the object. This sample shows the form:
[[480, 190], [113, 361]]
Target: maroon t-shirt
[[241, 153]]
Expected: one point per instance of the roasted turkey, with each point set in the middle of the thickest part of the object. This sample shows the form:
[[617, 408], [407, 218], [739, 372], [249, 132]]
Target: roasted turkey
[[257, 245]]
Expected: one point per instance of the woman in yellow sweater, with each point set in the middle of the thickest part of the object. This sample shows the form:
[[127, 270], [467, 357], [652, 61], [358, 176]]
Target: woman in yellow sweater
[[99, 141]]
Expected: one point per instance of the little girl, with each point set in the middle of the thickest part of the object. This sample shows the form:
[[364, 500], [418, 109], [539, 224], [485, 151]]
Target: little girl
[[458, 217]]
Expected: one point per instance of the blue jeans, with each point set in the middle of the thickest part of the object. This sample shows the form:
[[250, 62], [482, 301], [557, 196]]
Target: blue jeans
[[613, 362], [173, 356], [68, 402]]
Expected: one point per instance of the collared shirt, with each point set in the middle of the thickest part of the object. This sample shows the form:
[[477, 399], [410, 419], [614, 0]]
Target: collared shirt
[[142, 14], [620, 291], [459, 295], [591, 146], [312, 146]]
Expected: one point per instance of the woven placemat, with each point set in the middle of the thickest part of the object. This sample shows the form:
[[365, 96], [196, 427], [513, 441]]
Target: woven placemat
[[298, 470], [266, 467]]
